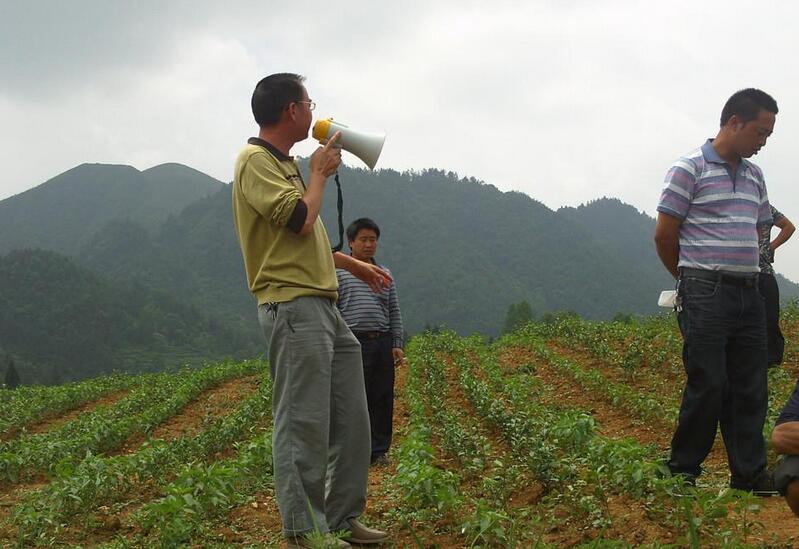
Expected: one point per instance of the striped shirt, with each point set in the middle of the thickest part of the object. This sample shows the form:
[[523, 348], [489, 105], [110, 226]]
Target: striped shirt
[[366, 311], [720, 211]]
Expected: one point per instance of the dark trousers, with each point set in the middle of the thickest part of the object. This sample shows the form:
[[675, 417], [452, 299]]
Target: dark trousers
[[776, 342], [378, 373], [724, 355]]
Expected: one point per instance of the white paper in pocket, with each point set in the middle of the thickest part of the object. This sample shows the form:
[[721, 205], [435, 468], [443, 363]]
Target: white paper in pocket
[[668, 299]]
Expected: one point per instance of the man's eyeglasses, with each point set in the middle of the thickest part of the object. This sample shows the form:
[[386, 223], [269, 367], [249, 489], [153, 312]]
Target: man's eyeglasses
[[311, 104]]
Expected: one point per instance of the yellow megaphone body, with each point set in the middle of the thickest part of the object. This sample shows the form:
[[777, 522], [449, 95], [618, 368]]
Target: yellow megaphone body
[[366, 146]]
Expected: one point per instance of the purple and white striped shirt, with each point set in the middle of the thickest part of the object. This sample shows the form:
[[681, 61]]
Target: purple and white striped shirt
[[720, 211]]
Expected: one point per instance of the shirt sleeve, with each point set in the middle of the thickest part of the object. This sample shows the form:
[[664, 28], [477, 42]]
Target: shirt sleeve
[[791, 410], [268, 191], [776, 215], [343, 289], [680, 185], [395, 318], [764, 211]]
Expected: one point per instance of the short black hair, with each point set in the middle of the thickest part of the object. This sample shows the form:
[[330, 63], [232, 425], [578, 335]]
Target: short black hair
[[359, 224], [273, 94], [747, 104]]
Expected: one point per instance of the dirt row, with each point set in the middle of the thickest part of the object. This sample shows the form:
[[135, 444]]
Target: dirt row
[[258, 524], [216, 401], [780, 527]]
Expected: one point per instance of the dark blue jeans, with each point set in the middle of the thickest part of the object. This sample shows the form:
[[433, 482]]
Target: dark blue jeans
[[724, 355], [378, 374], [776, 341]]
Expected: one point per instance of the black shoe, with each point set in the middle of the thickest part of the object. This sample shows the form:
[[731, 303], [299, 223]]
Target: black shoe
[[762, 487], [379, 461]]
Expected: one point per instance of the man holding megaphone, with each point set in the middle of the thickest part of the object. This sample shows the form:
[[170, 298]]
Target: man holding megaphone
[[321, 422]]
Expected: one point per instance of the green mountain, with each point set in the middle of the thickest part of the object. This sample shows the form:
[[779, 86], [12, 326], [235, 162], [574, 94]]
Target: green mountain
[[66, 211], [462, 252], [194, 257], [61, 322]]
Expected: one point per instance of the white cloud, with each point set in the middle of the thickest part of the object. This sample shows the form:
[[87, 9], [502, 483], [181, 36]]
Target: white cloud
[[566, 101]]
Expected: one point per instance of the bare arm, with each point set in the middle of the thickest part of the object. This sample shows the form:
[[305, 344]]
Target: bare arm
[[373, 275], [667, 241], [324, 163], [786, 230], [785, 438]]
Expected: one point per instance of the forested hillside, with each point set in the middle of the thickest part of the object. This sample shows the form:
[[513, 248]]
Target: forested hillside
[[61, 323], [462, 253]]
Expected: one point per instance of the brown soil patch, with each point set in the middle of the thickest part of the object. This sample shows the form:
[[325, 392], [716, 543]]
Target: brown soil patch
[[526, 496], [214, 402], [629, 522], [258, 522], [780, 526], [106, 523]]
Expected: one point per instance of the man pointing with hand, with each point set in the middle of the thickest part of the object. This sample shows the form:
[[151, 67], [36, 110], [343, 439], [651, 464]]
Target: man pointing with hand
[[321, 440]]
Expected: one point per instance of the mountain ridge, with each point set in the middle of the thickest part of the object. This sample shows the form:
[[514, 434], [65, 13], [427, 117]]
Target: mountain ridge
[[462, 251]]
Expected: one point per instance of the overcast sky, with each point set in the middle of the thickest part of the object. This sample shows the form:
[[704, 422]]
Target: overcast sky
[[566, 101]]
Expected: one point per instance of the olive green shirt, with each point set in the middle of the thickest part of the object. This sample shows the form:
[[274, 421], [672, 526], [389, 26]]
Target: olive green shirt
[[280, 264]]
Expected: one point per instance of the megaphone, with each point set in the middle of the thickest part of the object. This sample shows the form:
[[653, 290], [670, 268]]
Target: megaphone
[[366, 146]]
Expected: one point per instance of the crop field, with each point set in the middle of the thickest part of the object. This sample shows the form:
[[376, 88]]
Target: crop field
[[551, 436]]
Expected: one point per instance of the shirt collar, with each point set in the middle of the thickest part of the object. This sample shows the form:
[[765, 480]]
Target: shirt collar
[[269, 147], [710, 154]]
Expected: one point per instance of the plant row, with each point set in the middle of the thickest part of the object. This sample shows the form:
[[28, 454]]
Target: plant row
[[618, 394], [95, 481], [27, 404], [581, 468], [651, 342], [205, 491], [107, 428]]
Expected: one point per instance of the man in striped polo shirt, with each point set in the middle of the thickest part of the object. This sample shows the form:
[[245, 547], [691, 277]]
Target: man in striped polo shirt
[[707, 237], [376, 321]]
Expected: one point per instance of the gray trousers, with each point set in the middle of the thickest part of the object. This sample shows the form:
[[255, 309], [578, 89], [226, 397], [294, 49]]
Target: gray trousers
[[321, 440]]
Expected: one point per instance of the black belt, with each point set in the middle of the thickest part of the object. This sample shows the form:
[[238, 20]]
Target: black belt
[[371, 335], [743, 281]]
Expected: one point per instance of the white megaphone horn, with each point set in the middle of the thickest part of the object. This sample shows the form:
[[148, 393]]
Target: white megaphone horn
[[366, 146]]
